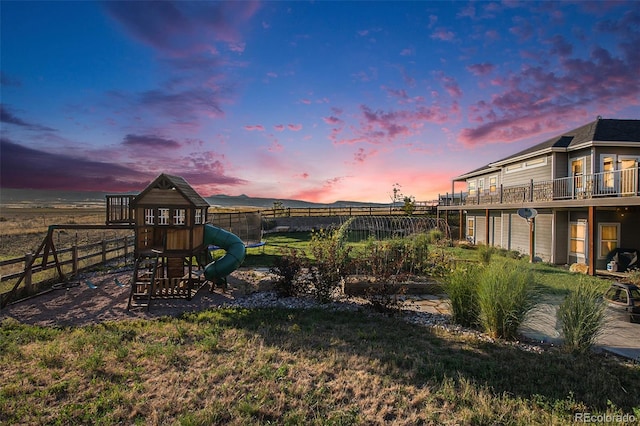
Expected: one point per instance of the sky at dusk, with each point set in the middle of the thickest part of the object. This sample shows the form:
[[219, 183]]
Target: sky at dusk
[[320, 101]]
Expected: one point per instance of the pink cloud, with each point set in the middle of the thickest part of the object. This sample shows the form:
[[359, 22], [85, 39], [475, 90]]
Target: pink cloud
[[305, 101], [294, 127], [361, 154], [279, 127], [443, 35], [451, 86], [481, 69], [257, 127], [332, 121]]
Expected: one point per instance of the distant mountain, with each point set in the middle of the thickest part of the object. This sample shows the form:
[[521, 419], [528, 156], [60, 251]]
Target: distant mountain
[[46, 198], [266, 203]]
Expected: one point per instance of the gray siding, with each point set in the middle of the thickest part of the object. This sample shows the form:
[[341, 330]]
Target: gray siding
[[560, 165], [561, 237], [480, 228], [524, 176], [543, 236], [496, 229]]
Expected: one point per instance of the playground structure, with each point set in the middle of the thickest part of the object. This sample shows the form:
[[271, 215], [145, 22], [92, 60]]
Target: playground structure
[[172, 241]]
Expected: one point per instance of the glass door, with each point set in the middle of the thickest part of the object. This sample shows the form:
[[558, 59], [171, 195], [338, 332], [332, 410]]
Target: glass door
[[628, 176]]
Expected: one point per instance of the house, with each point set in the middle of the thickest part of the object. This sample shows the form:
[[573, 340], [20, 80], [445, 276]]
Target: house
[[583, 184]]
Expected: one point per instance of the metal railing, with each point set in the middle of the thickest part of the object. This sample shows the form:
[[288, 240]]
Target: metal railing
[[615, 183]]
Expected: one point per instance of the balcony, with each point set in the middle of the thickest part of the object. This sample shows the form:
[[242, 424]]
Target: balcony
[[603, 185]]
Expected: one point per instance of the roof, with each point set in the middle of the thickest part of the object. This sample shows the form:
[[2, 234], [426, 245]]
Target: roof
[[600, 130], [165, 181]]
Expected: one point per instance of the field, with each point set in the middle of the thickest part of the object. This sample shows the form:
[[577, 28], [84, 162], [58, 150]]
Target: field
[[298, 366]]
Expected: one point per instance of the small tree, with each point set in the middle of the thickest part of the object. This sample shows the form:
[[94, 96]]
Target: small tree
[[409, 205]]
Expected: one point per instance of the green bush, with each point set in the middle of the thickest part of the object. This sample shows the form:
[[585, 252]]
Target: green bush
[[485, 252], [506, 294], [582, 316], [332, 262], [462, 288], [287, 267]]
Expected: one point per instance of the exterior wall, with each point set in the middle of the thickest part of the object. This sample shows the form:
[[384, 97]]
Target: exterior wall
[[622, 151], [162, 198], [561, 243], [560, 165], [526, 173], [583, 153], [510, 231]]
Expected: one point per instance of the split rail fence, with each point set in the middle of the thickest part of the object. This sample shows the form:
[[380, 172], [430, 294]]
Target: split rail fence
[[70, 261]]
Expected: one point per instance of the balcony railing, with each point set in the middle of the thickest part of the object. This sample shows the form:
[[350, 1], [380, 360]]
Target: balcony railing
[[617, 183]]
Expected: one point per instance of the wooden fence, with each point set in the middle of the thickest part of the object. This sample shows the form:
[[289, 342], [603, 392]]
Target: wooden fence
[[70, 260], [347, 211]]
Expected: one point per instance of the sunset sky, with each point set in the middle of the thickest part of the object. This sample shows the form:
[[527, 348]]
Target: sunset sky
[[320, 101]]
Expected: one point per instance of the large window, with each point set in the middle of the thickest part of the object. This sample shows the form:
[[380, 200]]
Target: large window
[[609, 234], [577, 172], [493, 183], [578, 238], [481, 186], [608, 166], [472, 187]]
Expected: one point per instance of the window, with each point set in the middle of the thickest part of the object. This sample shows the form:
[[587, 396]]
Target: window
[[608, 166], [472, 187], [493, 183], [577, 171], [577, 238], [529, 164], [198, 220], [513, 168], [148, 216], [179, 216], [481, 186], [609, 234], [163, 216], [471, 228]]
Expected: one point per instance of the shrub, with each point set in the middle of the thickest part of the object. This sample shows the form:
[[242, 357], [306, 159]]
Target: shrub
[[462, 288], [582, 316], [506, 294], [435, 235], [485, 252], [287, 267], [332, 262]]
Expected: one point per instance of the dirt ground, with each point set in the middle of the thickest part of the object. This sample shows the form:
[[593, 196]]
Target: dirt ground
[[81, 304]]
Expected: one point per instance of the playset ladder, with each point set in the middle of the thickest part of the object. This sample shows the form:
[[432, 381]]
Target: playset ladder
[[142, 284]]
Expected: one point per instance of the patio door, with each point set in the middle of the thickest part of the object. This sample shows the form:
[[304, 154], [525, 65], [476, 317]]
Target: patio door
[[577, 173], [628, 176]]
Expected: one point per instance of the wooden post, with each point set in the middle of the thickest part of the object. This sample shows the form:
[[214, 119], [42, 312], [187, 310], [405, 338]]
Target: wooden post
[[532, 243], [74, 257], [486, 231], [531, 191], [591, 241], [126, 247], [104, 251], [28, 263], [461, 223]]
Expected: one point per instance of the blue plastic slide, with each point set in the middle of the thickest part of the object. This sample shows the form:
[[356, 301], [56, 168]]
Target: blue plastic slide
[[232, 259]]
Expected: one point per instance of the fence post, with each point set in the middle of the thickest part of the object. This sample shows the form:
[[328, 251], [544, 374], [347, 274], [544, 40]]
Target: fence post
[[501, 194], [126, 247], [104, 251], [74, 259], [28, 259], [531, 191]]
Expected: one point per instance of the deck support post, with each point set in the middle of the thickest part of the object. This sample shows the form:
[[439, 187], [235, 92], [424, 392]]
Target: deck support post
[[591, 241]]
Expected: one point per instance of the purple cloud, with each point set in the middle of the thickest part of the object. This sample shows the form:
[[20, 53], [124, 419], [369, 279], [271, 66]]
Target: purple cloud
[[481, 69], [8, 117], [256, 127], [294, 127], [23, 167], [150, 141]]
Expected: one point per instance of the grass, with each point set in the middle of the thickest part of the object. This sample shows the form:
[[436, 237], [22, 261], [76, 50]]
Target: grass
[[237, 366]]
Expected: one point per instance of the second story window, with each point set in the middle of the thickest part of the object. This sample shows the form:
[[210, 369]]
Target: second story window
[[480, 186], [472, 187], [493, 183], [163, 216], [179, 216], [148, 216]]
